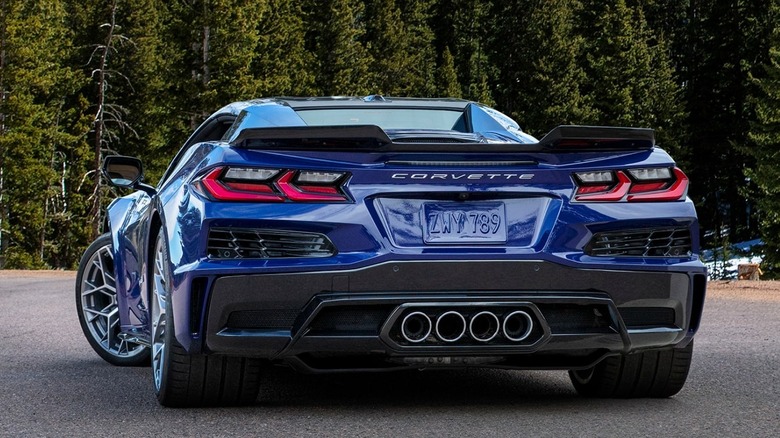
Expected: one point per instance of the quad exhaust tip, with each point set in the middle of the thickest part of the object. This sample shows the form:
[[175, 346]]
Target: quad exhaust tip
[[517, 326], [484, 326], [416, 327], [450, 326]]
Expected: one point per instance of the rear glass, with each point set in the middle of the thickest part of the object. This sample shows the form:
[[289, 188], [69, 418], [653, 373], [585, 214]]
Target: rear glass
[[385, 118]]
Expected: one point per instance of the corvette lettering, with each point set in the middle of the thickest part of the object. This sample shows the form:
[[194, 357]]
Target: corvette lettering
[[463, 176]]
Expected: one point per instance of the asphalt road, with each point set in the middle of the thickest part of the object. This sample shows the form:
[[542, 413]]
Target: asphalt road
[[53, 384]]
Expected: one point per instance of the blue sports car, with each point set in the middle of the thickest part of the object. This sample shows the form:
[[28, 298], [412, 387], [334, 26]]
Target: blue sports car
[[375, 233]]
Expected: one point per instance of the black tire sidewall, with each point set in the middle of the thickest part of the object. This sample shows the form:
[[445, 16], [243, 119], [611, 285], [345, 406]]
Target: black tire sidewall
[[162, 393]]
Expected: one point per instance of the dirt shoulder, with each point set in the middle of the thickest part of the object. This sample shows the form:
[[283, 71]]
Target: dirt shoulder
[[744, 290], [13, 273]]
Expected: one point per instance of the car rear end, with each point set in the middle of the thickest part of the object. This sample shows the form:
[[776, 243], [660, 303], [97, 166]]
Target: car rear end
[[372, 255]]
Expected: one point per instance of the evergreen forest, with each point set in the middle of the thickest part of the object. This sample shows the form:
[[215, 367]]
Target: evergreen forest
[[82, 79]]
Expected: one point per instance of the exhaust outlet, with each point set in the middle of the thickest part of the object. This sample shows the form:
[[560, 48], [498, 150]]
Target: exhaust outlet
[[416, 327], [484, 326], [450, 326], [517, 326]]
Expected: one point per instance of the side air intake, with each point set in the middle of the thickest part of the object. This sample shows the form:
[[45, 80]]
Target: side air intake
[[258, 243], [660, 242]]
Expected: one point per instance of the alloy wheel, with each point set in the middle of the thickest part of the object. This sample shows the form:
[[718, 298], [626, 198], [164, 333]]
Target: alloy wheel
[[99, 306]]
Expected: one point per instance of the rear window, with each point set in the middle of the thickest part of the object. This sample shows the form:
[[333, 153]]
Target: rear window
[[385, 118]]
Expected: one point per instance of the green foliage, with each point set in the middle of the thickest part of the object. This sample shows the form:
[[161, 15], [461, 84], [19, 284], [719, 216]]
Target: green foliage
[[540, 64], [461, 26], [214, 44], [727, 42], [764, 147], [281, 62], [402, 53], [447, 79], [145, 63], [421, 63], [41, 132], [631, 83], [336, 36]]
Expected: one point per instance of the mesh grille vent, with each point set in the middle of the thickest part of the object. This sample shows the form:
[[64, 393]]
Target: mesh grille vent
[[662, 242], [256, 243], [572, 318], [262, 319], [350, 320], [431, 140], [647, 316]]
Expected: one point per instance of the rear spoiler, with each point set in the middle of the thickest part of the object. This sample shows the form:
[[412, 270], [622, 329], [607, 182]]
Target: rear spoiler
[[372, 138], [598, 138]]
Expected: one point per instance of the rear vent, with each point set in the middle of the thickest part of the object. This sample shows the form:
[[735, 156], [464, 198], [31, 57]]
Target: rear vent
[[262, 319], [461, 163], [349, 321], [573, 318], [197, 292], [659, 242], [433, 140], [647, 316], [256, 243]]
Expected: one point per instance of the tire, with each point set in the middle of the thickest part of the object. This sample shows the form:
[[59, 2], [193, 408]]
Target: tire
[[655, 373], [97, 308], [188, 380]]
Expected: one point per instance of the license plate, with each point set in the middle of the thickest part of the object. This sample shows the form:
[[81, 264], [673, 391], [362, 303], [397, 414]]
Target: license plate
[[458, 223]]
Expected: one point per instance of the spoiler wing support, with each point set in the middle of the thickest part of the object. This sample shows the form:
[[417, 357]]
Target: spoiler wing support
[[372, 138]]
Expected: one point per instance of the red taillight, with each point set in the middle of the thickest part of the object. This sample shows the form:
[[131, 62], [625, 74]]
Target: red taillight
[[632, 185], [233, 190], [609, 193], [271, 185], [303, 193], [676, 188]]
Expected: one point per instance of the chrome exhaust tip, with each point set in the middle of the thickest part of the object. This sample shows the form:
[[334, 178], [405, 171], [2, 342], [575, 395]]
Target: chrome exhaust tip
[[416, 327], [517, 326], [484, 326], [450, 326]]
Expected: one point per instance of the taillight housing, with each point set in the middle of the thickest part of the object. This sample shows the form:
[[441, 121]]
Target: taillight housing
[[651, 184], [248, 184]]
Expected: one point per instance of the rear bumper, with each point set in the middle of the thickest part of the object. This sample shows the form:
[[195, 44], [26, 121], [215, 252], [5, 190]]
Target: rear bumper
[[328, 321]]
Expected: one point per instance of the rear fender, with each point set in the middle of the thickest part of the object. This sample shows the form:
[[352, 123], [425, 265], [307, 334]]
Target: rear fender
[[128, 219]]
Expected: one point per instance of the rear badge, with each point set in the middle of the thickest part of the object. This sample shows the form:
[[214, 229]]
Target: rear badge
[[464, 224]]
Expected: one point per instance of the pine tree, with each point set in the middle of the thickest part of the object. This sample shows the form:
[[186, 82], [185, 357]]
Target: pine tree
[[336, 30], [461, 26], [727, 41], [122, 54], [108, 114], [764, 147], [145, 62], [215, 45], [385, 39], [670, 20], [282, 64], [41, 132], [402, 51], [421, 53], [447, 83], [538, 52], [631, 83]]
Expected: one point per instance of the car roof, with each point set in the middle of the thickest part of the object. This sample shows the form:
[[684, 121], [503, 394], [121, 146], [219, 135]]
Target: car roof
[[372, 101]]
